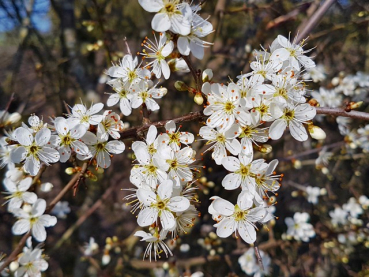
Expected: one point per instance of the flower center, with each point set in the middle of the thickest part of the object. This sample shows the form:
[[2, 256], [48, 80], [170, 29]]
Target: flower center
[[85, 118], [144, 95], [221, 138], [100, 146], [33, 149], [173, 164], [123, 93], [281, 92], [67, 140], [229, 107], [131, 75], [288, 114], [239, 214], [244, 171], [174, 137], [151, 168], [151, 149]]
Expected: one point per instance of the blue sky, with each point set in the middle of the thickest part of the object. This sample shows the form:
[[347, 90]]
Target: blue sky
[[39, 19]]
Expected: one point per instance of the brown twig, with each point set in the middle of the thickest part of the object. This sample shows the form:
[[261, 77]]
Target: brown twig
[[258, 256], [196, 74], [342, 112], [314, 20]]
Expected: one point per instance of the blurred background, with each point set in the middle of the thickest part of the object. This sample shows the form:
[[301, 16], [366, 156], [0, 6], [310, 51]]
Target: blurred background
[[55, 52]]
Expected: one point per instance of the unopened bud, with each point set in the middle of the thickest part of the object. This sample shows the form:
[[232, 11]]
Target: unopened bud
[[105, 259], [180, 86], [198, 99], [13, 118], [207, 75], [266, 149], [335, 81], [13, 266], [297, 164], [316, 132], [27, 208], [355, 105], [165, 265], [46, 187], [70, 170]]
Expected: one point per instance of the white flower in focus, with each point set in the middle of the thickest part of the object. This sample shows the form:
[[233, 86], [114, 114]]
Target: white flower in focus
[[110, 125], [34, 220], [312, 194], [265, 180], [221, 142], [264, 67], [299, 228], [286, 89], [67, 138], [33, 149], [161, 49], [80, 115], [156, 243], [239, 218], [173, 137], [339, 216], [127, 71], [31, 264], [353, 207], [101, 148], [284, 50], [250, 265], [171, 15], [141, 94], [61, 209], [122, 95], [242, 170], [224, 106], [15, 175], [290, 116], [177, 163], [18, 193], [160, 204]]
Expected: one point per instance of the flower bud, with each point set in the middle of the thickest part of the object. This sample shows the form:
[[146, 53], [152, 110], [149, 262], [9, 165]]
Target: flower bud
[[180, 86], [316, 132], [105, 259], [335, 81], [46, 187], [207, 75], [13, 118], [13, 266], [266, 149], [70, 170], [198, 99], [27, 208]]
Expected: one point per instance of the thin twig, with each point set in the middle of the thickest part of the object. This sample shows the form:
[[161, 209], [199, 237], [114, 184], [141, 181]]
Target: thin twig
[[314, 20], [258, 256], [342, 112]]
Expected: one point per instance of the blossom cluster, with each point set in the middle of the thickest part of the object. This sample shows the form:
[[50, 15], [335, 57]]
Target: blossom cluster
[[163, 176], [238, 115]]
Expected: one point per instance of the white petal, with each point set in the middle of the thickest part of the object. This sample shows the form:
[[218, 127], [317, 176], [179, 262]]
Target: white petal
[[125, 107], [115, 147], [147, 197], [39, 232], [103, 159], [161, 22], [48, 155], [183, 46], [233, 146], [39, 208], [231, 181], [29, 197], [61, 125], [95, 108], [247, 232], [23, 136], [165, 69], [21, 226], [178, 204], [151, 135], [231, 163], [225, 228], [18, 154], [113, 100], [32, 166], [78, 131], [298, 131], [147, 216], [167, 220], [223, 207], [277, 128], [48, 220], [151, 5], [165, 190], [24, 184]]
